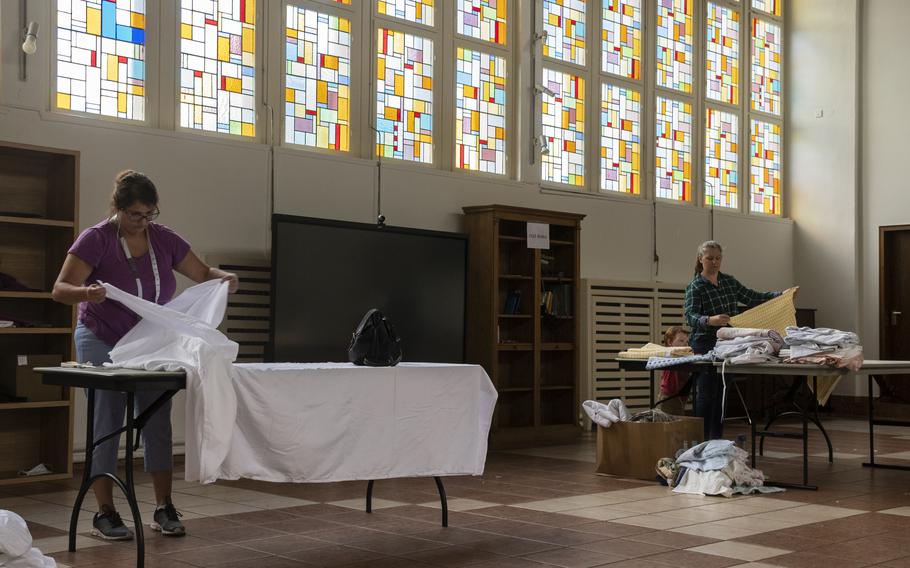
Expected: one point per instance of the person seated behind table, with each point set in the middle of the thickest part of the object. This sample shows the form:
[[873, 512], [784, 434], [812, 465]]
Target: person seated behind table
[[671, 382]]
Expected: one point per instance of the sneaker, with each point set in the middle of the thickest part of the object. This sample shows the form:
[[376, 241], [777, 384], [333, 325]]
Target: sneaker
[[108, 525], [167, 520]]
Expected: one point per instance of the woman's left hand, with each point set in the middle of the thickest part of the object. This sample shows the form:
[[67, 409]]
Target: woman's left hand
[[232, 280]]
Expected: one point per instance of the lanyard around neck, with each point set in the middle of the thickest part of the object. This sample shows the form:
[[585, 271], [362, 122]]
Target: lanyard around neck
[[132, 263]]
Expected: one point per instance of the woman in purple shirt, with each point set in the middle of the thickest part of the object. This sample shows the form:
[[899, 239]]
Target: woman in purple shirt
[[137, 256]]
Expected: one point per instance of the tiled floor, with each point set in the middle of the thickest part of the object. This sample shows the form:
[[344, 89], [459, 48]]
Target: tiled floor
[[539, 507]]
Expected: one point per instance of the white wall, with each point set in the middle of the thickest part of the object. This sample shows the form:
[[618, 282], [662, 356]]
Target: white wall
[[216, 192], [822, 172]]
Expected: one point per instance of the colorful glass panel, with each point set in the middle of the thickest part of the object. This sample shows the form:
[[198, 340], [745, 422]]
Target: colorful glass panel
[[772, 7], [404, 97], [563, 128], [483, 19], [218, 66], [674, 150], [418, 11], [620, 140], [621, 38], [101, 57], [317, 80], [480, 112], [565, 24], [766, 71], [721, 158], [675, 44], [722, 55], [766, 156]]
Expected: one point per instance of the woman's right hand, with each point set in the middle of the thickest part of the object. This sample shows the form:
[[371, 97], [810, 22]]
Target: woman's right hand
[[719, 320], [95, 293]]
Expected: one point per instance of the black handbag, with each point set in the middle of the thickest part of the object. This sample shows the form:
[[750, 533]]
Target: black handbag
[[375, 343]]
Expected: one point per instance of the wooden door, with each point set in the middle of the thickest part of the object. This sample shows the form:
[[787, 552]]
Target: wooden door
[[894, 302]]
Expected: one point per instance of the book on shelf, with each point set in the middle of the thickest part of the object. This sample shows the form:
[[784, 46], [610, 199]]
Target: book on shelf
[[513, 302], [556, 300]]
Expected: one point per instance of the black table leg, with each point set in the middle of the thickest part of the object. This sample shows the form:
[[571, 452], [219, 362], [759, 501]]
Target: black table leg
[[370, 496], [87, 472], [871, 462], [130, 488], [443, 501]]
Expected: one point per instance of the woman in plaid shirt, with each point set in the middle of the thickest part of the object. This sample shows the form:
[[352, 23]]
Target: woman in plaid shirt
[[711, 298]]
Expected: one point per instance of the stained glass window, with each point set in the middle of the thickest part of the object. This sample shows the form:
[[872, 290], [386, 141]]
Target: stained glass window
[[772, 7], [675, 44], [343, 1], [722, 56], [419, 11], [480, 112], [766, 71], [218, 66], [765, 152], [483, 19], [564, 22], [721, 151], [404, 97], [317, 79], [674, 149], [564, 128], [620, 139], [621, 38], [101, 57]]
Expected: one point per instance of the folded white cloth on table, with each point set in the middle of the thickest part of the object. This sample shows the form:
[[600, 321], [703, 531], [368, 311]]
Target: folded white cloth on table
[[606, 414], [824, 346], [664, 362], [16, 549], [820, 336], [745, 345], [654, 350], [181, 335]]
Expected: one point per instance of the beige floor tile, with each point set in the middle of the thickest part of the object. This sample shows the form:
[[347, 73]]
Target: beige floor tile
[[715, 529], [895, 455], [781, 455], [653, 522], [902, 511], [460, 505], [270, 502], [600, 513], [752, 522], [39, 508], [809, 514], [700, 514], [61, 543], [838, 456], [769, 504], [222, 492], [360, 504], [565, 503], [677, 502], [739, 550], [12, 503]]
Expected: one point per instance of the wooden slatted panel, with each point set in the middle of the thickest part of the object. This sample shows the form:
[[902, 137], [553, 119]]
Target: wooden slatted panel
[[670, 310], [619, 322], [247, 318]]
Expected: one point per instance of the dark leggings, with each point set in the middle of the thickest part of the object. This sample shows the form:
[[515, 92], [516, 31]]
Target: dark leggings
[[709, 393]]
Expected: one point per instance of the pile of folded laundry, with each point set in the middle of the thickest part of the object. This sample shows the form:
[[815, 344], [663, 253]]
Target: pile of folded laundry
[[823, 346], [654, 350], [738, 345], [716, 467]]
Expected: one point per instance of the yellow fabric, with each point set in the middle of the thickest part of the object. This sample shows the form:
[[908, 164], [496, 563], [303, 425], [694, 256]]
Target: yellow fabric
[[777, 314]]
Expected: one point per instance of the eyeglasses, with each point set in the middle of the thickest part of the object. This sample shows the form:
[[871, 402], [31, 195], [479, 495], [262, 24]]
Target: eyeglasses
[[132, 216]]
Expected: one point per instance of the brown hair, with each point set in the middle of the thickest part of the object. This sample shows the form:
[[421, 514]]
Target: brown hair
[[702, 249], [671, 333], [131, 186]]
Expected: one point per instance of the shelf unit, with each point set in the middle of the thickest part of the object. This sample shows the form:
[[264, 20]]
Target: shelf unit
[[530, 355], [39, 196]]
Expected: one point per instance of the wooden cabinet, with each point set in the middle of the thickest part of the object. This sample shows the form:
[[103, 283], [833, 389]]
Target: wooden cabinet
[[522, 321], [38, 213]]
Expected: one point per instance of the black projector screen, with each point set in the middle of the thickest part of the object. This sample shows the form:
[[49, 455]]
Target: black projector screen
[[327, 274]]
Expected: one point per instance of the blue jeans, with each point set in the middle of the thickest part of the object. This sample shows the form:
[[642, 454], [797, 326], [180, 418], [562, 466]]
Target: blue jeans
[[709, 392], [110, 409]]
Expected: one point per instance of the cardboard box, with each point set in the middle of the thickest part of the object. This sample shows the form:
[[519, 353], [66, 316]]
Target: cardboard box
[[17, 379], [631, 449]]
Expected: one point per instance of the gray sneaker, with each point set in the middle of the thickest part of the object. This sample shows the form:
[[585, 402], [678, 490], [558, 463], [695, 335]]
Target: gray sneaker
[[167, 520], [108, 525]]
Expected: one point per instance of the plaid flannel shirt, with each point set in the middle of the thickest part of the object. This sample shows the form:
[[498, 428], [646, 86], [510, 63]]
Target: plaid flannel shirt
[[704, 299]]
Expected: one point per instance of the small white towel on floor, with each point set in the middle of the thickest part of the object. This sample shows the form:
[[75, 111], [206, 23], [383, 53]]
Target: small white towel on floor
[[16, 549]]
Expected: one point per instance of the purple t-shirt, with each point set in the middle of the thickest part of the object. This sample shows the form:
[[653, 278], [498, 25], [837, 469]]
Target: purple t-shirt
[[99, 246]]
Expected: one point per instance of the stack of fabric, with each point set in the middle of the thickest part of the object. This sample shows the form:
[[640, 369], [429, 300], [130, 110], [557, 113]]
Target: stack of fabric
[[654, 350], [737, 345], [824, 346], [16, 550], [718, 467]]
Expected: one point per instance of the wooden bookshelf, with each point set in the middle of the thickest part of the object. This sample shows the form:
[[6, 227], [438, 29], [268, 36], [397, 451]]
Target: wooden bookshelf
[[38, 218], [530, 354]]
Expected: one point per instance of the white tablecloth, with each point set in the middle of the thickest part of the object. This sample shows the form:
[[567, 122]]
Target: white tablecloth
[[338, 422]]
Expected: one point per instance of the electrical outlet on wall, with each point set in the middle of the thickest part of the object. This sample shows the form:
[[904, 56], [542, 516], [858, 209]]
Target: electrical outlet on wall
[[819, 113]]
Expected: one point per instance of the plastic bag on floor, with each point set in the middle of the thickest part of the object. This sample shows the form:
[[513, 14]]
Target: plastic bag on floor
[[16, 544]]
